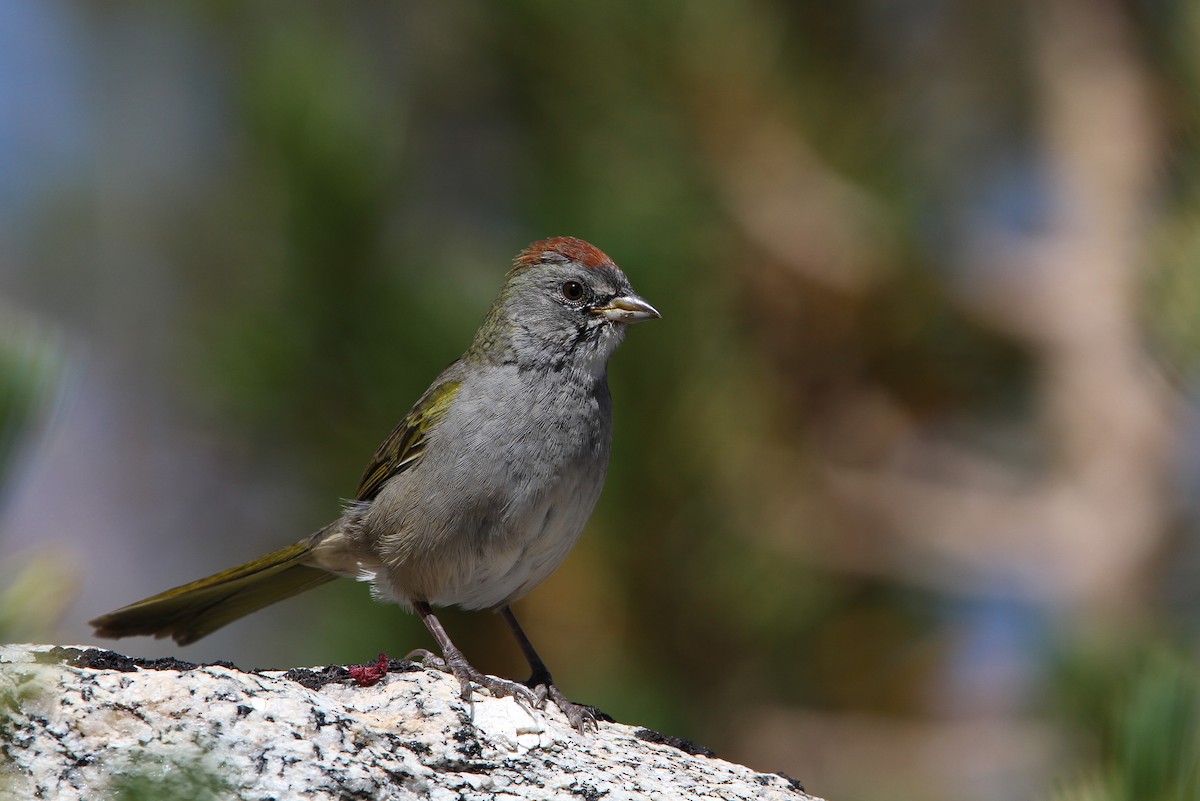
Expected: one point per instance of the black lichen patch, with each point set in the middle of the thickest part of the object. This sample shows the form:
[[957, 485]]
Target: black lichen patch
[[316, 679], [587, 792], [794, 782], [337, 674], [682, 743], [416, 746], [468, 742], [99, 659], [404, 666]]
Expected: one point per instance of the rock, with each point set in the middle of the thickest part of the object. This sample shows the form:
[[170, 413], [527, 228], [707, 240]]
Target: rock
[[80, 723]]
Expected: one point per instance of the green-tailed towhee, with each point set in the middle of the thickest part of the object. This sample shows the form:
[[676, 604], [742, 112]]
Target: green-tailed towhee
[[483, 488]]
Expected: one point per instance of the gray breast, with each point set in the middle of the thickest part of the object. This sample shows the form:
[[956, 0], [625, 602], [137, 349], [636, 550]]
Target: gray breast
[[502, 493]]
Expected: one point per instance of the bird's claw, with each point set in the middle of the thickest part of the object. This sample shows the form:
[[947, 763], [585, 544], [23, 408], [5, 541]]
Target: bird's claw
[[532, 694], [580, 717], [499, 688], [458, 667]]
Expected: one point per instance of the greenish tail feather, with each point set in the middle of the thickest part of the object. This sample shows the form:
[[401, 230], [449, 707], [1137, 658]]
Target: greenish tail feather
[[191, 611]]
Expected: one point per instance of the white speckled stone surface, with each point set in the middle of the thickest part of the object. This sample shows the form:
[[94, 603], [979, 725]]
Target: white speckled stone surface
[[70, 732]]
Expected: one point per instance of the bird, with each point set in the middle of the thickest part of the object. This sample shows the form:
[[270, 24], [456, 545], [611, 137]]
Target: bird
[[478, 494]]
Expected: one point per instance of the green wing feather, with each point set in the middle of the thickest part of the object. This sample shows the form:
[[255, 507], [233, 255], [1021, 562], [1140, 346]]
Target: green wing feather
[[191, 611], [406, 443]]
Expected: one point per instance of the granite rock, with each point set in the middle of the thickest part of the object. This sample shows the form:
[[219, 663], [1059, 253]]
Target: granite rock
[[80, 723]]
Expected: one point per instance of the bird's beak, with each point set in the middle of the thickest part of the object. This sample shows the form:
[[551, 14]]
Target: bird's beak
[[627, 309]]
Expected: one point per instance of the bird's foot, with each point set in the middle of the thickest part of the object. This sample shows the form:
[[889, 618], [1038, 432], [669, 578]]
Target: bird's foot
[[427, 658], [456, 665], [579, 716], [499, 688]]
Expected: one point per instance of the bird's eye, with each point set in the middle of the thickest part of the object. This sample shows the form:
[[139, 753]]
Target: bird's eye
[[572, 290]]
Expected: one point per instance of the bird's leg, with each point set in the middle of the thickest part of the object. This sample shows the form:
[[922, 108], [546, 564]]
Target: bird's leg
[[581, 717], [454, 662]]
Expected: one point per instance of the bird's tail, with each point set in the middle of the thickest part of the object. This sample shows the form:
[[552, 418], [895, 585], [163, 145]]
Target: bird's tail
[[194, 610]]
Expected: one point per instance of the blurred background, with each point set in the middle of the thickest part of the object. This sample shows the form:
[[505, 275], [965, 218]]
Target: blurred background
[[904, 491]]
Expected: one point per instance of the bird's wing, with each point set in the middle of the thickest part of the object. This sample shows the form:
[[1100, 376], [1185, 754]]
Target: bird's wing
[[406, 443]]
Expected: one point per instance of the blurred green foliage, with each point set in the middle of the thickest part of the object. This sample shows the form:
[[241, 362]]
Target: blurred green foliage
[[1147, 738], [34, 593], [155, 778], [30, 363], [36, 588]]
